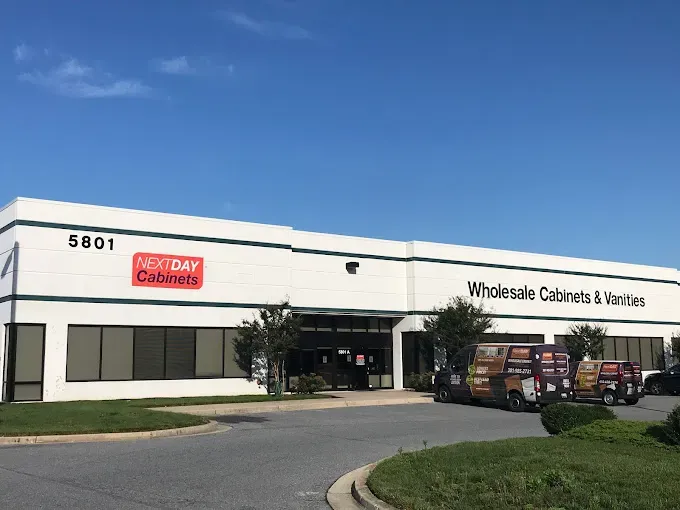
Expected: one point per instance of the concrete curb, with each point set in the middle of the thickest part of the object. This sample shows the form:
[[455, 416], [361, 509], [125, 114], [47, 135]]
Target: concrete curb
[[331, 403], [350, 492], [114, 436]]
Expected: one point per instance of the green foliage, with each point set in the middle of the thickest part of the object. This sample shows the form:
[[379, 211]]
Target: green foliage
[[452, 327], [672, 426], [585, 340], [558, 418], [263, 343], [530, 473], [420, 382], [309, 384], [638, 433]]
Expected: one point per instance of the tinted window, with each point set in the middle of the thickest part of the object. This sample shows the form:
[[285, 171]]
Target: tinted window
[[149, 353], [117, 354], [179, 353], [209, 352], [231, 366], [83, 353]]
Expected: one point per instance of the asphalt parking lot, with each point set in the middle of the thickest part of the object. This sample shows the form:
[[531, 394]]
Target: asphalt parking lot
[[281, 460]]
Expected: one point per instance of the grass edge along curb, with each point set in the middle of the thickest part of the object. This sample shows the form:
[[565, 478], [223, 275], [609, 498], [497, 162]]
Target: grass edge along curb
[[205, 428], [161, 402], [362, 493], [519, 472]]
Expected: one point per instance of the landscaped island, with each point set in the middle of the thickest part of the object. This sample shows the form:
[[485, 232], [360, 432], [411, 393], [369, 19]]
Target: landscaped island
[[601, 465]]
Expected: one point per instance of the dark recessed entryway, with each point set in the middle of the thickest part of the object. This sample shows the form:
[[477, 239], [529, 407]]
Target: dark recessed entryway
[[349, 352]]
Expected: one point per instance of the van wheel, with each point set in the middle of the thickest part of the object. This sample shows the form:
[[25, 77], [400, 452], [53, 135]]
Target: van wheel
[[610, 398], [516, 402], [631, 401], [444, 394]]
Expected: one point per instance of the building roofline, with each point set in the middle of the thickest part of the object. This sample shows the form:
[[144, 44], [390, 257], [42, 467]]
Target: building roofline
[[412, 243]]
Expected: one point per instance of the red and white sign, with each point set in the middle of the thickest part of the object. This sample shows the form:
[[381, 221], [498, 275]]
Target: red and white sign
[[361, 359], [167, 271]]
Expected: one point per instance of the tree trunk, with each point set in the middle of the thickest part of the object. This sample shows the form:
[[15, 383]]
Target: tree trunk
[[278, 387]]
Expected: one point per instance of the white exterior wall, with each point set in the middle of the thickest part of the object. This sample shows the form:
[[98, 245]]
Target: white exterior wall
[[7, 263], [322, 280], [59, 285]]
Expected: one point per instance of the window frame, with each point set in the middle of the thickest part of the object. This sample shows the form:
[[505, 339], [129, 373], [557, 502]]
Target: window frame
[[9, 379]]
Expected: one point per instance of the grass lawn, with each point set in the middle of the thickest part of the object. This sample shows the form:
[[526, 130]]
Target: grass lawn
[[531, 473], [86, 417], [110, 416]]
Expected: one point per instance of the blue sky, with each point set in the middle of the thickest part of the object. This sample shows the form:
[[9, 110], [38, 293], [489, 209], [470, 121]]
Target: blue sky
[[538, 126]]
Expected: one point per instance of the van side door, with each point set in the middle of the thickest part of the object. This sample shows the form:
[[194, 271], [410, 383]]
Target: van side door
[[459, 372]]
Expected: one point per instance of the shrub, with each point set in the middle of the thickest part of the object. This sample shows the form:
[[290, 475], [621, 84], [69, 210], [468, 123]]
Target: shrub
[[309, 384], [672, 426], [638, 433], [557, 418], [420, 382]]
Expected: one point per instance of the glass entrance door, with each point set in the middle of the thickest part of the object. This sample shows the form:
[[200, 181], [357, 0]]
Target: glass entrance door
[[324, 365], [344, 372], [361, 370], [374, 367]]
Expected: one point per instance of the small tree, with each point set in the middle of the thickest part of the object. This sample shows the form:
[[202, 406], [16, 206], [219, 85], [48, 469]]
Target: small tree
[[264, 342], [585, 340], [457, 324], [675, 347]]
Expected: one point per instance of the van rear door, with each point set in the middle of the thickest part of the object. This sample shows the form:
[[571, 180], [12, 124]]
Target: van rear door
[[632, 378], [552, 368]]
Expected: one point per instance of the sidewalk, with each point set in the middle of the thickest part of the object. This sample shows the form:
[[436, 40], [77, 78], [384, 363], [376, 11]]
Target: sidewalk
[[337, 399]]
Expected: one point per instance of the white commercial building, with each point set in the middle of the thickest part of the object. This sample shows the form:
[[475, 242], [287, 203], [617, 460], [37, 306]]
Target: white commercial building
[[104, 303]]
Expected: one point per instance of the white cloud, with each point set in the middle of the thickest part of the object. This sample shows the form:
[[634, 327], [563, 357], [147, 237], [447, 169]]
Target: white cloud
[[69, 77], [176, 65], [71, 68], [22, 53], [196, 66], [272, 29]]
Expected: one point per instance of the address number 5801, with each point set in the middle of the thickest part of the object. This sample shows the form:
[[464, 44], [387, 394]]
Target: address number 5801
[[98, 243]]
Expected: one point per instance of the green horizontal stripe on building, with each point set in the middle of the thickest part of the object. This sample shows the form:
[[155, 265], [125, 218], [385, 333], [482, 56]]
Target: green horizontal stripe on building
[[260, 244], [304, 309], [569, 319], [7, 227]]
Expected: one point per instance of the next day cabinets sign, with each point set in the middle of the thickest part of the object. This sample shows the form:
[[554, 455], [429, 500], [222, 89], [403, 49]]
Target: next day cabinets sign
[[167, 271]]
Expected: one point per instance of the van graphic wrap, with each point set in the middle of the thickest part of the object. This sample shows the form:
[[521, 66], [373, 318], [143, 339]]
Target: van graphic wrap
[[593, 378], [489, 361], [538, 372]]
